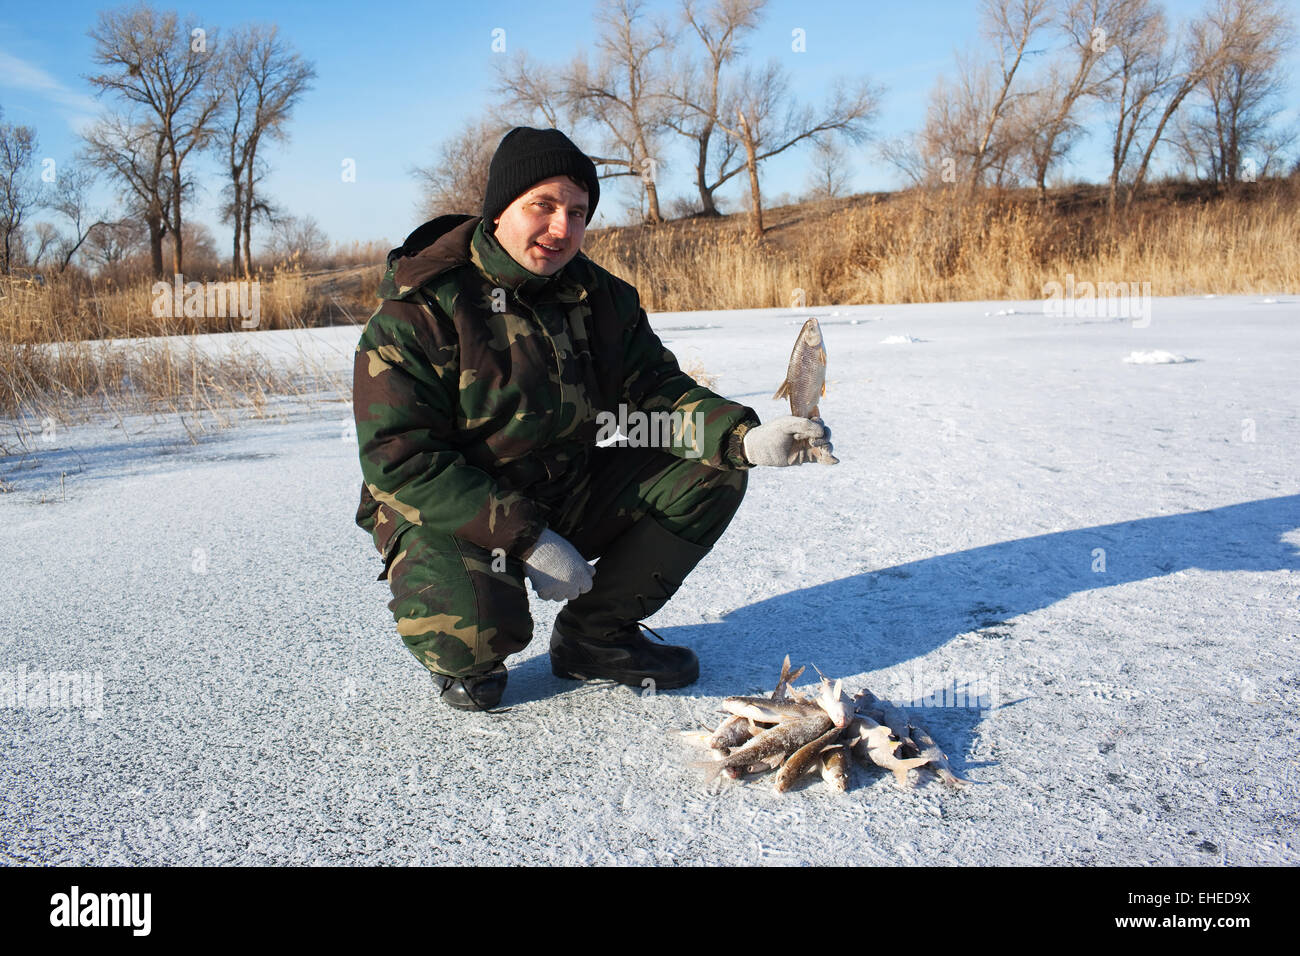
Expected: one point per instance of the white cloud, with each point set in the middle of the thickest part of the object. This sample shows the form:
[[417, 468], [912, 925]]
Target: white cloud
[[20, 74]]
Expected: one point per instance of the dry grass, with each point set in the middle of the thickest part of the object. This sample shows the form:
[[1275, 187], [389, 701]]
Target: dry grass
[[62, 380], [74, 308], [698, 372], [934, 246], [62, 350]]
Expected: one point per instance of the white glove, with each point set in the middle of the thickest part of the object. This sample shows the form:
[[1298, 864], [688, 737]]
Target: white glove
[[788, 440], [557, 570]]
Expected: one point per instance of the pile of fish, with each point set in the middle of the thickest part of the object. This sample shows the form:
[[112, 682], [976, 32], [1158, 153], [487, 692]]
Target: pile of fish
[[795, 734]]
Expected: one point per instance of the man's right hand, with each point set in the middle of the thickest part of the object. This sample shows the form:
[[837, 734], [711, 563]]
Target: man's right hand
[[557, 570]]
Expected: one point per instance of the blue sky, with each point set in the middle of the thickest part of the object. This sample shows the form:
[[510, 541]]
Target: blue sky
[[395, 80]]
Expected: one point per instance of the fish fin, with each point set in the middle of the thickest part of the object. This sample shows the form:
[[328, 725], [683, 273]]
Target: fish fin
[[698, 738], [821, 358], [900, 769], [938, 763], [711, 769], [785, 679], [783, 391], [950, 778]]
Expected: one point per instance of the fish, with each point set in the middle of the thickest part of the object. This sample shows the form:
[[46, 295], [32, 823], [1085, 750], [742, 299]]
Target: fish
[[831, 700], [872, 750], [805, 382], [784, 738], [938, 760], [805, 758], [835, 767], [883, 712], [763, 766], [768, 711], [732, 732], [865, 729]]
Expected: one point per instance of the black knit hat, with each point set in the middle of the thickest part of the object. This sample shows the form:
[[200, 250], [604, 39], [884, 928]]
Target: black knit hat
[[527, 156]]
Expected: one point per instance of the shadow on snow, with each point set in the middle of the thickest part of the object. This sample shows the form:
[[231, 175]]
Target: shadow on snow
[[886, 617]]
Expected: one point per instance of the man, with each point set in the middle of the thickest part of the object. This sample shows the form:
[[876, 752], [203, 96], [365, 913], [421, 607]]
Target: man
[[478, 388]]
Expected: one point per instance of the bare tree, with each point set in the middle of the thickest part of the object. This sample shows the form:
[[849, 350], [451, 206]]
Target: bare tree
[[767, 121], [134, 154], [237, 211], [952, 146], [72, 201], [18, 194], [534, 93], [626, 93], [114, 244], [1011, 25], [167, 68], [1047, 126], [1166, 81], [1143, 68], [1241, 95], [203, 257], [264, 80], [297, 239], [829, 177], [974, 125], [697, 90], [457, 182], [907, 153], [47, 239]]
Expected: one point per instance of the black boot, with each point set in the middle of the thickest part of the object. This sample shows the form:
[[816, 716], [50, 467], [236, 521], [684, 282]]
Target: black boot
[[597, 635], [476, 692]]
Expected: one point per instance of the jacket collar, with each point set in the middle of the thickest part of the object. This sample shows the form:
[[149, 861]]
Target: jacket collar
[[500, 268]]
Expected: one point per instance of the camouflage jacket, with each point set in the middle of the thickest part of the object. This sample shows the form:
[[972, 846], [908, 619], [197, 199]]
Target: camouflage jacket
[[477, 386]]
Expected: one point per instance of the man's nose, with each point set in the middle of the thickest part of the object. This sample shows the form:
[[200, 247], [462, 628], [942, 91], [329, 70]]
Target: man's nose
[[559, 227]]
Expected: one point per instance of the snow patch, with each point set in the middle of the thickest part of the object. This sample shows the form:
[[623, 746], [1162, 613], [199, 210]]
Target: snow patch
[[899, 340], [1155, 357]]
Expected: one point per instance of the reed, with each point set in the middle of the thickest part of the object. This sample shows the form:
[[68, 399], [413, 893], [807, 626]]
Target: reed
[[936, 246]]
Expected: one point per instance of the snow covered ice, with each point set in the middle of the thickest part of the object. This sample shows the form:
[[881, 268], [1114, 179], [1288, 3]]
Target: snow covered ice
[[1107, 552]]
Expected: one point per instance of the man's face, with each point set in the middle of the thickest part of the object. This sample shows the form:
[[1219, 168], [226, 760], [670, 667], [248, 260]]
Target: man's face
[[543, 229]]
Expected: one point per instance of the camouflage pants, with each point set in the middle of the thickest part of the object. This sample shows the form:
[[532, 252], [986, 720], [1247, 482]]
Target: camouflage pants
[[460, 609]]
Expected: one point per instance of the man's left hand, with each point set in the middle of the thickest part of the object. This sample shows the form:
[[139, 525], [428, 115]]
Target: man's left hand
[[789, 440]]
